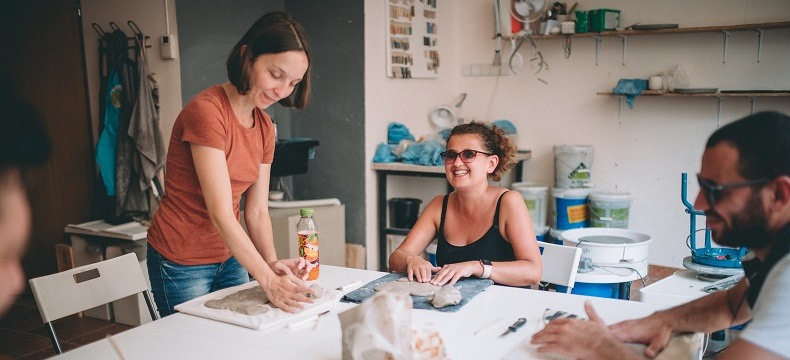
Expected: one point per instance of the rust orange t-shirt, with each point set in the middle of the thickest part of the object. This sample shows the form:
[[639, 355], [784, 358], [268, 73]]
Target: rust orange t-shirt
[[181, 229]]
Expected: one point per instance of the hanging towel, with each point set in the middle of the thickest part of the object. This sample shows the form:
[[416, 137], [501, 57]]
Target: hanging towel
[[144, 129], [108, 139]]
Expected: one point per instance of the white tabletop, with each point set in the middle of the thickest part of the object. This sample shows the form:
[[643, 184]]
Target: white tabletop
[[182, 336]]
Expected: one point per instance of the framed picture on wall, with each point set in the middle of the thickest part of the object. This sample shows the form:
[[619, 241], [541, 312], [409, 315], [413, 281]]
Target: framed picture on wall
[[412, 39]]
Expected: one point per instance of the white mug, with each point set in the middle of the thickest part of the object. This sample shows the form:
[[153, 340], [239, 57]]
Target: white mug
[[655, 83]]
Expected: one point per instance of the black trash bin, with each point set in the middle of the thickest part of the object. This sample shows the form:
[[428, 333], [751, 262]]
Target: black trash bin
[[404, 212]]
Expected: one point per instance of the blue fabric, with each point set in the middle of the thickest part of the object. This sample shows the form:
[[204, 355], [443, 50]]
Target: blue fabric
[[424, 153], [384, 154], [631, 88], [506, 126], [173, 284], [469, 288], [397, 132], [108, 139]]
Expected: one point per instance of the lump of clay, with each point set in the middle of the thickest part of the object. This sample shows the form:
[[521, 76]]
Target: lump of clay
[[252, 301], [446, 296], [316, 292], [403, 285]]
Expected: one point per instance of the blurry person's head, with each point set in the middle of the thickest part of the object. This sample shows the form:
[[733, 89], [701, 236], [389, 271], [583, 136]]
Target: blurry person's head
[[23, 144], [745, 180]]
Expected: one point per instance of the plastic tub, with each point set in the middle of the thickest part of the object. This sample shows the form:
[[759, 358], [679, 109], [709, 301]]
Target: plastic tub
[[404, 212], [536, 197], [609, 246], [570, 208], [572, 166], [609, 209]]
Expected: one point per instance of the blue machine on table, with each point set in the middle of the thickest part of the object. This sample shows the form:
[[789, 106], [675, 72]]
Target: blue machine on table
[[708, 255]]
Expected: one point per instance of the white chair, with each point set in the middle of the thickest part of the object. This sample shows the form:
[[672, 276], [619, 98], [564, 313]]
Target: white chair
[[560, 264], [71, 291]]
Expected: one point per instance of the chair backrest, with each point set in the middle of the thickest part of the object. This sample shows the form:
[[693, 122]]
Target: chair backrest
[[71, 291], [560, 264]]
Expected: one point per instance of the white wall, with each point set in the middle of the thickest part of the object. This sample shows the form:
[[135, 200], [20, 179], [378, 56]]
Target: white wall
[[642, 150], [149, 15]]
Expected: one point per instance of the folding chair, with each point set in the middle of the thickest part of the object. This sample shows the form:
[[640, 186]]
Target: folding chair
[[560, 264], [71, 291]]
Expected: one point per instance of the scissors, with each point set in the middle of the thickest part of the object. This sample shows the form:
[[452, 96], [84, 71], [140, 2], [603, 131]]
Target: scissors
[[512, 328]]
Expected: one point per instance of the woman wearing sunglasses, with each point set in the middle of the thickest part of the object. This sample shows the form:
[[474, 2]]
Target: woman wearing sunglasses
[[483, 230]]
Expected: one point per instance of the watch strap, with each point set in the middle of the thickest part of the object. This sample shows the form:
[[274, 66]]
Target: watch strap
[[486, 270]]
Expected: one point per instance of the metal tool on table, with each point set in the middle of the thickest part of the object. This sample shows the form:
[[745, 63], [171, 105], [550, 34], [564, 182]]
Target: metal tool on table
[[516, 325]]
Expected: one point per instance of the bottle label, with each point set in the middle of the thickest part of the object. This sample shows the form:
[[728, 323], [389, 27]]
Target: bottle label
[[308, 249]]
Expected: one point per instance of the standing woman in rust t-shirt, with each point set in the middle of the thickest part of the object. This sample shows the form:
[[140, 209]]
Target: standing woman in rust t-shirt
[[222, 145]]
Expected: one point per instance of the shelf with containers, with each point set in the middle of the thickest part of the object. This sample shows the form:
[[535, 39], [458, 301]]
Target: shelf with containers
[[760, 28]]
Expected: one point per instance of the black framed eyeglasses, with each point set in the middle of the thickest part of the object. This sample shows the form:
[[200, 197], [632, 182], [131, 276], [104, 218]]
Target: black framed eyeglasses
[[467, 155], [713, 192]]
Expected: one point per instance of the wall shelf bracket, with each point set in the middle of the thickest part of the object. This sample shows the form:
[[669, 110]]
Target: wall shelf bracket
[[625, 46], [726, 42], [720, 101], [760, 35], [597, 48]]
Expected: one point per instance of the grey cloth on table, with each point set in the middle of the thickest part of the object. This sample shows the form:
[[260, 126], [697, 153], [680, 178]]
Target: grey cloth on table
[[469, 288]]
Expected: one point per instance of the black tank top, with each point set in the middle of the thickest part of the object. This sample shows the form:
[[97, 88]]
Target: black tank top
[[491, 246]]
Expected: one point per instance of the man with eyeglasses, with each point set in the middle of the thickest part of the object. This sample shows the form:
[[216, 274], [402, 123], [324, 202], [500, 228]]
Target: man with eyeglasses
[[745, 194]]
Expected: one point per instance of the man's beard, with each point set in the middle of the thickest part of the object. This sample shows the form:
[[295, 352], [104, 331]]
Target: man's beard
[[748, 228]]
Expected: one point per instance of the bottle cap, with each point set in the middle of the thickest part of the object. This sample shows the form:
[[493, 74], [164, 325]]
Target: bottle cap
[[306, 212]]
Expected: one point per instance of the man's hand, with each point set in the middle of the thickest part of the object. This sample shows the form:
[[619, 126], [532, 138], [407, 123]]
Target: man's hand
[[588, 339], [652, 331]]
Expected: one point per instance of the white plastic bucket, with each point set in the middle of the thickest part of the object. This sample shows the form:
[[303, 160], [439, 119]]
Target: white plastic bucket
[[572, 166], [536, 197], [609, 246], [570, 208], [609, 209], [556, 236]]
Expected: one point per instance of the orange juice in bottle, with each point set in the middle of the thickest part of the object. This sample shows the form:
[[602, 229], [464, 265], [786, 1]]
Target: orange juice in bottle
[[307, 232]]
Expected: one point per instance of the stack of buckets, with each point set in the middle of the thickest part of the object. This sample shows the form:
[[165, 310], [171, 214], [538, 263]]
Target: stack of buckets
[[575, 204]]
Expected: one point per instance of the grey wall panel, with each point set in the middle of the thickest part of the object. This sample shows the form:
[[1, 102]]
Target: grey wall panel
[[336, 113]]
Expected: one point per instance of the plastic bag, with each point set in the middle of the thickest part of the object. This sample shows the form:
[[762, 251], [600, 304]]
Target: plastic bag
[[675, 78], [379, 328]]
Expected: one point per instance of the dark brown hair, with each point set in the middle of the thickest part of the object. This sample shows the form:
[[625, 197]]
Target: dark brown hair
[[273, 33], [494, 141]]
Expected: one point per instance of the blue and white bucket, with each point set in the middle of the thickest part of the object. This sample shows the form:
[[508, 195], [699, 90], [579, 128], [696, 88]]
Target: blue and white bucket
[[542, 234], [555, 236], [570, 208]]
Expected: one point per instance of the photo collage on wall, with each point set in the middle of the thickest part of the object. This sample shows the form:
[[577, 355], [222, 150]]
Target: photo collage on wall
[[412, 39]]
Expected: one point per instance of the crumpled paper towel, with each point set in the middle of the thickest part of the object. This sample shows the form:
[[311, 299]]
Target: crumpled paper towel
[[378, 329]]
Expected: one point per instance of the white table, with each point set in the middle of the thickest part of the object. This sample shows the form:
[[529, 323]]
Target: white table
[[182, 336]]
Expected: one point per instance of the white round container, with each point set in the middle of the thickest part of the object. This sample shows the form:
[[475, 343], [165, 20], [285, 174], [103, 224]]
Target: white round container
[[572, 166], [556, 236], [608, 245], [536, 197], [609, 209]]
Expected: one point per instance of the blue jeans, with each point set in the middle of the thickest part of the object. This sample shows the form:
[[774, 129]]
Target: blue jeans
[[173, 283]]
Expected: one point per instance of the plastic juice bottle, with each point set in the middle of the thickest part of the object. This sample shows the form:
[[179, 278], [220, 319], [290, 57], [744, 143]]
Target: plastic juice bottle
[[307, 232]]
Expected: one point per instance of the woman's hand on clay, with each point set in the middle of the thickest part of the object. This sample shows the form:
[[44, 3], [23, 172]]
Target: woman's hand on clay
[[453, 272], [296, 266], [419, 269], [287, 292]]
